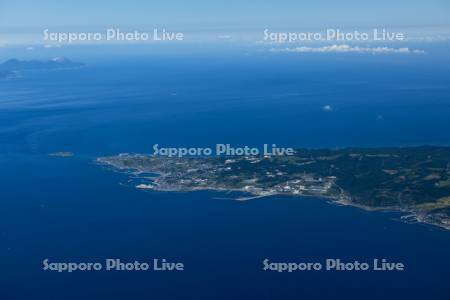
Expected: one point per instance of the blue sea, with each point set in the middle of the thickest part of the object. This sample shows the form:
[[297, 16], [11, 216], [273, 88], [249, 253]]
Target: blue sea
[[70, 209]]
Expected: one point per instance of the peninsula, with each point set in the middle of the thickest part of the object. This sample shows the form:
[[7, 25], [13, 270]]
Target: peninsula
[[411, 179]]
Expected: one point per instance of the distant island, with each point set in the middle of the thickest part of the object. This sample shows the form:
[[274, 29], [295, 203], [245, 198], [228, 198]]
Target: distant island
[[11, 66], [61, 154], [412, 179]]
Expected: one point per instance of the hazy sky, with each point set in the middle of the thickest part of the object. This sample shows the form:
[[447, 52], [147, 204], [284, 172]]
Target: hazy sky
[[225, 14]]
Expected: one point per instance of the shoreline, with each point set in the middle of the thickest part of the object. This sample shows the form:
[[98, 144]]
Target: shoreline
[[332, 200], [413, 214]]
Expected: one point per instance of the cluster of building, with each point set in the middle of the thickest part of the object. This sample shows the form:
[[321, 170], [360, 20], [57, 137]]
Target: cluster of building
[[306, 185]]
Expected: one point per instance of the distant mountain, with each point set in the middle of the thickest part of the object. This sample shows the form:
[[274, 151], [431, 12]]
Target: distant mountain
[[55, 63]]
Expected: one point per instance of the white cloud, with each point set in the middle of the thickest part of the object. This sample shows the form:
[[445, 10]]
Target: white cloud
[[30, 48], [349, 49], [328, 108]]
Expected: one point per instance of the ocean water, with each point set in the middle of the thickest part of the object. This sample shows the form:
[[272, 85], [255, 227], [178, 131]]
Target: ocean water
[[71, 209]]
